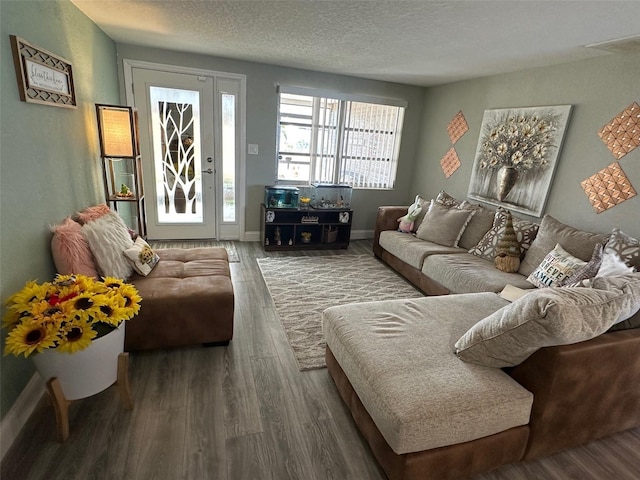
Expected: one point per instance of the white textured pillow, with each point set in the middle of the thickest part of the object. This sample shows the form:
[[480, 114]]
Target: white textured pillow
[[612, 264], [108, 238], [142, 257], [557, 265], [542, 318]]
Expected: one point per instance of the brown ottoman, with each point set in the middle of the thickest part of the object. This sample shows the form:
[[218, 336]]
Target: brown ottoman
[[187, 299]]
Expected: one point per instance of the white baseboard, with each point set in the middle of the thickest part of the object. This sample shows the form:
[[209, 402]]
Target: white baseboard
[[19, 412]]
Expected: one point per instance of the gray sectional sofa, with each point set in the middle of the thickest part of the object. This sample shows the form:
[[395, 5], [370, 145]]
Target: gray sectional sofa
[[447, 386]]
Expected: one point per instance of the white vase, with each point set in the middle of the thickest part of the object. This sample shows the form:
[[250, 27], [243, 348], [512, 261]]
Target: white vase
[[86, 372]]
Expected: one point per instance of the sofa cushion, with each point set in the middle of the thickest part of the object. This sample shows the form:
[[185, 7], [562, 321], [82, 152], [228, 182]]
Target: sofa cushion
[[443, 225], [466, 273], [578, 243], [398, 356], [70, 250], [411, 249], [108, 238], [556, 266], [525, 234], [627, 247], [541, 318], [627, 283]]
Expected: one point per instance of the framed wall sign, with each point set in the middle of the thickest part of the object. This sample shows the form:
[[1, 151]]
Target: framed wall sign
[[42, 77]]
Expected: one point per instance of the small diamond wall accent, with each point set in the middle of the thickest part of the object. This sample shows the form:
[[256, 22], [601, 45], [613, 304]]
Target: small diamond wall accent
[[450, 162], [457, 127], [622, 134], [608, 188]]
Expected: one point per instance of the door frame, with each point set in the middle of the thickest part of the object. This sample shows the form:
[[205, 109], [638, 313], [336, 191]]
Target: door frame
[[130, 64]]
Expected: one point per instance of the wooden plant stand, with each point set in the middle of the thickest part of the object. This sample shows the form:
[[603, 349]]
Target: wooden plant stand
[[61, 404]]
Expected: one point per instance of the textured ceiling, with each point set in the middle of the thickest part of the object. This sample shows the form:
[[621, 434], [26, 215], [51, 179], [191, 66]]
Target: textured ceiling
[[417, 42]]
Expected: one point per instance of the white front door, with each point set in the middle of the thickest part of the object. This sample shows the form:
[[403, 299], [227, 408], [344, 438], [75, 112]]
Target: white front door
[[189, 143]]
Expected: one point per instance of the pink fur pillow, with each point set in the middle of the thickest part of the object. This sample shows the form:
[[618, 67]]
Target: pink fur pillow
[[93, 213], [71, 253]]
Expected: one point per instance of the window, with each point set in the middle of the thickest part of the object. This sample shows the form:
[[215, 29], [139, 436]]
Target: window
[[331, 138]]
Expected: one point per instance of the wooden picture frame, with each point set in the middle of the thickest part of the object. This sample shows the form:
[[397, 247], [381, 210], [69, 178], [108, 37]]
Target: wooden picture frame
[[43, 77]]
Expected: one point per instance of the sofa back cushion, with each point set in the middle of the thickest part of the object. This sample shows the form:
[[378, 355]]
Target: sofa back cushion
[[546, 317], [478, 226], [578, 243]]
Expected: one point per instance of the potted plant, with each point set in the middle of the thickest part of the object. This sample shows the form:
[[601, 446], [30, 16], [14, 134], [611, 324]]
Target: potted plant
[[72, 327]]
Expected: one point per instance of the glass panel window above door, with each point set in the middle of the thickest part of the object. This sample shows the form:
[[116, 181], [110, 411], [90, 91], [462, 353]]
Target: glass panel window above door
[[175, 120]]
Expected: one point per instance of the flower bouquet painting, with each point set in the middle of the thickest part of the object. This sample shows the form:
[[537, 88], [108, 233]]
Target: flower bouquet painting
[[516, 156]]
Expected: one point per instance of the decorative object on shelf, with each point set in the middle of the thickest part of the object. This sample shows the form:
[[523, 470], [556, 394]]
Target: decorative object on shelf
[[309, 219], [277, 236], [122, 168], [343, 217], [608, 188], [43, 77], [73, 327], [271, 216], [450, 162], [457, 127], [622, 134], [516, 156], [306, 237], [304, 202]]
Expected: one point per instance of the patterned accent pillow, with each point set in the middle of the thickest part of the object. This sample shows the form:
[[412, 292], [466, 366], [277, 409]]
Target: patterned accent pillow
[[557, 265], [525, 233], [142, 257], [627, 247], [588, 271], [447, 200]]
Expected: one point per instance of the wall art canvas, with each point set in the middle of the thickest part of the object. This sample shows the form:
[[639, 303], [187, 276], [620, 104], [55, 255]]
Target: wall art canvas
[[516, 157], [622, 134], [450, 162]]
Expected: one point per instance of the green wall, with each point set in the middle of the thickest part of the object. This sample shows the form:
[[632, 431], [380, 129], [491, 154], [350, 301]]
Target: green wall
[[262, 122], [598, 89], [49, 156]]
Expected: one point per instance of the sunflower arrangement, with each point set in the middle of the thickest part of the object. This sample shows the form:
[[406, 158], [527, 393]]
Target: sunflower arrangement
[[67, 314], [519, 141]]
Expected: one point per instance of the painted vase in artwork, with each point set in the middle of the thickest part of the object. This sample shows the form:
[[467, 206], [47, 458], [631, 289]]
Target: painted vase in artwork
[[507, 178]]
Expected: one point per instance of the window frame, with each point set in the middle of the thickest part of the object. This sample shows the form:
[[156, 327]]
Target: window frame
[[340, 148]]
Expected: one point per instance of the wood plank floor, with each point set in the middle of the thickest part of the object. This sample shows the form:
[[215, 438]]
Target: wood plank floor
[[244, 412]]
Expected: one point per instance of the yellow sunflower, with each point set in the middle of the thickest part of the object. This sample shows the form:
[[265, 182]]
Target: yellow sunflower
[[76, 335], [28, 337], [84, 306], [20, 301], [127, 293]]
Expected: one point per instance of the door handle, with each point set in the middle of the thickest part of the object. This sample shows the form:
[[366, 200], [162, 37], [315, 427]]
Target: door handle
[[208, 170]]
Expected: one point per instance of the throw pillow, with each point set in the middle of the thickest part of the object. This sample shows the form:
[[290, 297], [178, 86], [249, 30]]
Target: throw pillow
[[443, 225], [542, 318], [447, 200], [108, 238], [612, 264], [555, 267], [627, 247], [578, 243], [629, 283], [478, 226], [70, 250], [92, 213], [142, 257], [585, 272], [525, 234]]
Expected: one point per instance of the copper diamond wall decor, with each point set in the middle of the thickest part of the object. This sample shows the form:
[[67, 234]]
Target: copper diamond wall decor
[[608, 188], [457, 127], [450, 162], [622, 134]]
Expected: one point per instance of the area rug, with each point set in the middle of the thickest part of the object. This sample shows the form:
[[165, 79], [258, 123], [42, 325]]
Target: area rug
[[230, 246], [302, 287]]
